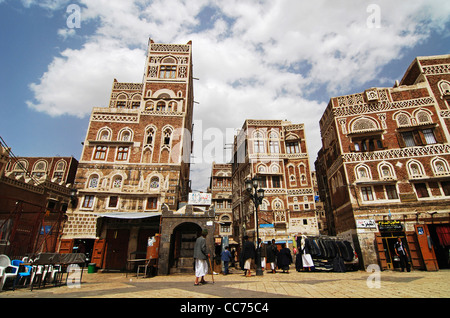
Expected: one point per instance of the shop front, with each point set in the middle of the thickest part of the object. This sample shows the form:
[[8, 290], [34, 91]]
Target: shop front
[[418, 242], [119, 237]]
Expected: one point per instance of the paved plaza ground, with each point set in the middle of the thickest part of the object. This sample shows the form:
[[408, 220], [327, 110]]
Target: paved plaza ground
[[275, 294], [359, 284]]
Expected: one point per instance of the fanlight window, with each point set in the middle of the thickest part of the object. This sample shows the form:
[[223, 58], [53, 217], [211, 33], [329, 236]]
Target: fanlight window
[[93, 181], [444, 87], [403, 120], [363, 124], [154, 183], [423, 117], [104, 134], [415, 169], [362, 173], [117, 182], [440, 167]]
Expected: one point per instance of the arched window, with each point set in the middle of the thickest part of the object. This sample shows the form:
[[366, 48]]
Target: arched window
[[149, 105], [262, 168], [116, 182], [274, 144], [125, 135], [150, 137], [136, 101], [121, 101], [415, 169], [423, 117], [403, 120], [168, 69], [104, 134], [161, 106], [386, 171], [93, 181], [60, 168], [258, 142], [167, 136], [154, 183], [292, 177], [363, 124], [278, 204], [440, 166], [171, 106], [39, 169], [363, 172], [275, 168], [444, 87]]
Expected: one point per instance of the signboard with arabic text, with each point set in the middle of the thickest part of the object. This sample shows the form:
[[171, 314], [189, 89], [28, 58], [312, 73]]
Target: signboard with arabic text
[[198, 198]]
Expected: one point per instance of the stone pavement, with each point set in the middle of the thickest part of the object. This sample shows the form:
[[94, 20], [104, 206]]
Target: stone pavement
[[360, 284]]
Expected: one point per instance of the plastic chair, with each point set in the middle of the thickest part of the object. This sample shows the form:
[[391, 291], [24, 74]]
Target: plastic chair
[[22, 275], [7, 270], [36, 274], [51, 274]]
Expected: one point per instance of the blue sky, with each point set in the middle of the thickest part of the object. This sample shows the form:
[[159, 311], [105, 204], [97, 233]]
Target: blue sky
[[279, 59]]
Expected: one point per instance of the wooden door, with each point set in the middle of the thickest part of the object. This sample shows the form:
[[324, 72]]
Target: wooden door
[[98, 252], [117, 249], [414, 251], [66, 246], [381, 251], [426, 247]]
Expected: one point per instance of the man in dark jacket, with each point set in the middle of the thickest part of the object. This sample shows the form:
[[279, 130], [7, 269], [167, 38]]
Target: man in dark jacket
[[248, 255], [272, 251]]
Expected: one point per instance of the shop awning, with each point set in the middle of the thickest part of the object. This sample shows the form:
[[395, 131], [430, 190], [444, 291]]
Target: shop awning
[[127, 215]]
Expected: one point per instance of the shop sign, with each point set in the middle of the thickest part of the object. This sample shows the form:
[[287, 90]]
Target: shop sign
[[199, 198], [366, 224], [390, 226]]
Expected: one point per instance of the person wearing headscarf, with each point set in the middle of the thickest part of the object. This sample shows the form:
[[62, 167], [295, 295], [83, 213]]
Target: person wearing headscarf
[[306, 254], [284, 258]]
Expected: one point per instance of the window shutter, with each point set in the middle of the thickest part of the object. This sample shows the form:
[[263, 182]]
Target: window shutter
[[438, 135], [352, 147], [400, 140], [418, 138]]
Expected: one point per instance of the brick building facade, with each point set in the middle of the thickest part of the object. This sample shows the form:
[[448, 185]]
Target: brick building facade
[[135, 164], [384, 166], [35, 193], [275, 151], [221, 190]]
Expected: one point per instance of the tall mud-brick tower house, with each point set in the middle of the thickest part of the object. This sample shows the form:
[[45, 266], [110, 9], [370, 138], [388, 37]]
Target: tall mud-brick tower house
[[135, 161], [384, 167]]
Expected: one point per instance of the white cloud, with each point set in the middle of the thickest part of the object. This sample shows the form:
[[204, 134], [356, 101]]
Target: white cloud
[[81, 79], [46, 4], [254, 58]]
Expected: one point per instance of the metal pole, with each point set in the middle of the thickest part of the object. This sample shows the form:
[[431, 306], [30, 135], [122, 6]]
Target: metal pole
[[259, 271]]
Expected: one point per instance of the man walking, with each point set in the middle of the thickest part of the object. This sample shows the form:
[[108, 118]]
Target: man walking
[[272, 251], [226, 258], [401, 252], [248, 255], [201, 258]]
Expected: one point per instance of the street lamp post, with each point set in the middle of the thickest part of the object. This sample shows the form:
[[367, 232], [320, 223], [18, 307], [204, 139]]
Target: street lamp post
[[257, 196]]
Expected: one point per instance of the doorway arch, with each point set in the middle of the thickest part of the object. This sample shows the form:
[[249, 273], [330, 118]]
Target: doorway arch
[[181, 255]]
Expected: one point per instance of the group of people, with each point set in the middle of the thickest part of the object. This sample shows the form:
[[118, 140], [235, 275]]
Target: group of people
[[280, 259], [270, 254]]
